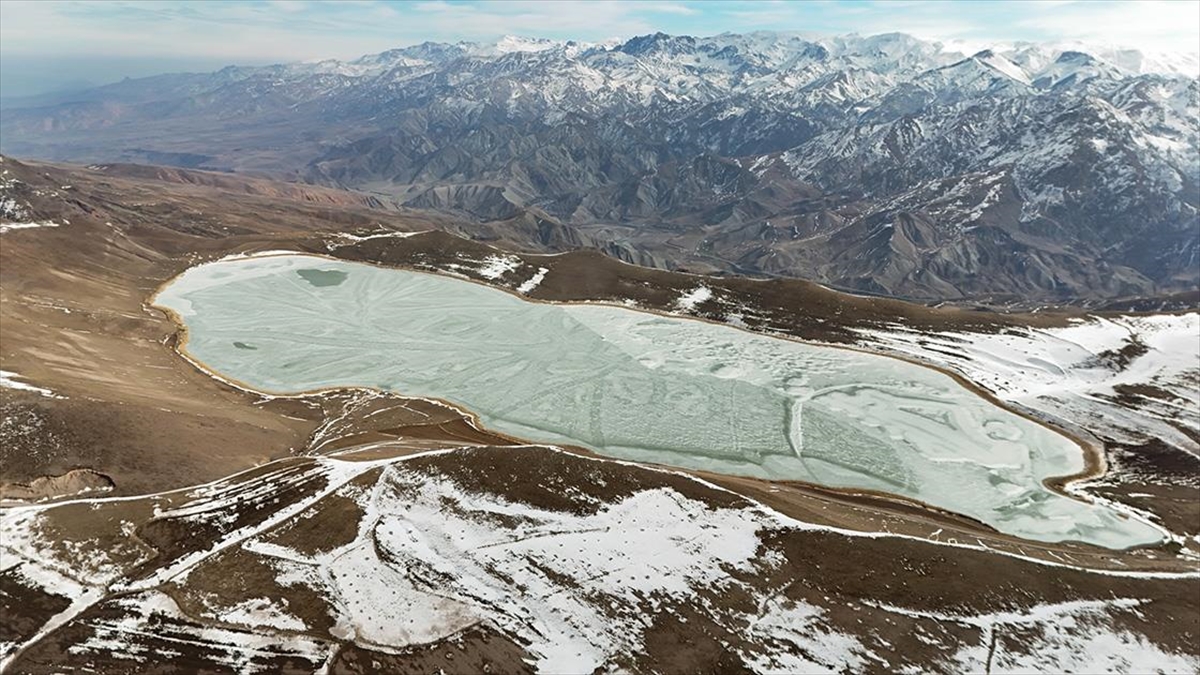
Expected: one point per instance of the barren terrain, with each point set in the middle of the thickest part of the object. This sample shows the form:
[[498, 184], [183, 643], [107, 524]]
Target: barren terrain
[[246, 572]]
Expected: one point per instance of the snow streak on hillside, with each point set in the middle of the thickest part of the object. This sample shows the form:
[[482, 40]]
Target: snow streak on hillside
[[398, 554], [1130, 378]]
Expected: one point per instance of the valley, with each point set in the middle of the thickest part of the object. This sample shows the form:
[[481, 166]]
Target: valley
[[303, 532], [636, 386]]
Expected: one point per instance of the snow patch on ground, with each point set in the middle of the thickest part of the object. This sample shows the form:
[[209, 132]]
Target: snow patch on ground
[[49, 580], [1074, 373], [495, 266], [258, 612], [258, 254], [693, 298], [809, 646], [11, 209], [8, 205], [533, 281], [430, 560], [11, 380], [348, 239], [492, 267], [140, 635], [652, 544], [1050, 637]]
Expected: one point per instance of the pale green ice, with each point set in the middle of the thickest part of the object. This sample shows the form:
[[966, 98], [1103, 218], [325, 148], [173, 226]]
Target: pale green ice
[[639, 386]]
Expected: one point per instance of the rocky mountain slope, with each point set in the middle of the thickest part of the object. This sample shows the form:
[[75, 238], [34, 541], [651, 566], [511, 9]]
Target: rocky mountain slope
[[884, 164]]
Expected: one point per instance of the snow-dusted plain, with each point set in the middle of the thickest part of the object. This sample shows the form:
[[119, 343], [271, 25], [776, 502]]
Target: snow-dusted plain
[[578, 584], [1130, 378]]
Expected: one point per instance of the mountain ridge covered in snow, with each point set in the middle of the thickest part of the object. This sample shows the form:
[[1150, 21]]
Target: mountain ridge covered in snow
[[881, 163]]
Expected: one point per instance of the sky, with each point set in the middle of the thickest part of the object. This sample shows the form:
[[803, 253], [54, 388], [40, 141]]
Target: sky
[[47, 45]]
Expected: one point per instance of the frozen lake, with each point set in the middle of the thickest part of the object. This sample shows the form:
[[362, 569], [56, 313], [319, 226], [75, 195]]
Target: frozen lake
[[639, 386]]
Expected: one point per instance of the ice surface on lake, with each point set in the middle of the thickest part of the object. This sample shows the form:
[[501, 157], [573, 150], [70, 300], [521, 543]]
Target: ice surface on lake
[[640, 386]]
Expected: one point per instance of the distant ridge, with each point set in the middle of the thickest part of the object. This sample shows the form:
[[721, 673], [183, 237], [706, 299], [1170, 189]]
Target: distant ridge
[[1019, 173]]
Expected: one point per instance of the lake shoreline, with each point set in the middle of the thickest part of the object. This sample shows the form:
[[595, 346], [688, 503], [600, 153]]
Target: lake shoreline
[[1093, 461]]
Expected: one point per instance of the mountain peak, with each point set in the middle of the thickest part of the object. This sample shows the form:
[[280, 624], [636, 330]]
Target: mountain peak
[[516, 43], [1001, 65], [660, 41], [1074, 57]]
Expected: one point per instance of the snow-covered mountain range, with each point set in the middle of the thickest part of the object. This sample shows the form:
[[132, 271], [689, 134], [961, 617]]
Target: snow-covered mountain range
[[882, 163]]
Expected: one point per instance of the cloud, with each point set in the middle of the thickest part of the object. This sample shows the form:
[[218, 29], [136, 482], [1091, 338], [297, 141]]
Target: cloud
[[289, 5], [666, 8], [438, 6], [1155, 25], [291, 29], [1151, 25]]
